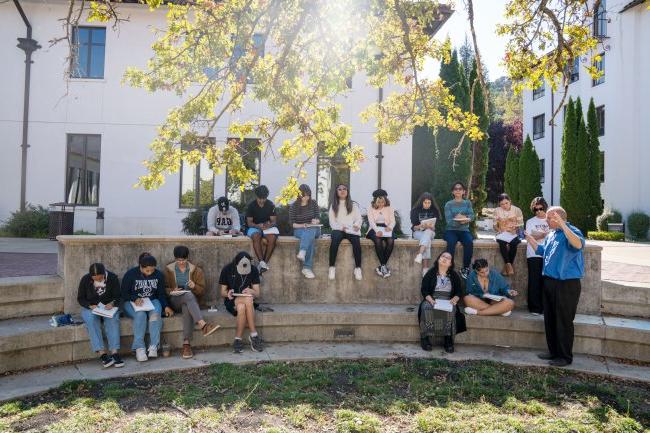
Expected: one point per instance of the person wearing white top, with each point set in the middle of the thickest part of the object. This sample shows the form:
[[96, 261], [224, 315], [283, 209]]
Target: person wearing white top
[[223, 219], [345, 221], [537, 227]]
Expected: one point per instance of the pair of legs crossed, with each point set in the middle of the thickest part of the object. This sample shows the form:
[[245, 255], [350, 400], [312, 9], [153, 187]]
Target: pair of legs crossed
[[489, 308]]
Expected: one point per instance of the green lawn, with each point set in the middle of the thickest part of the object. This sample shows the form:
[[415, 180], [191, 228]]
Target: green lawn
[[341, 396]]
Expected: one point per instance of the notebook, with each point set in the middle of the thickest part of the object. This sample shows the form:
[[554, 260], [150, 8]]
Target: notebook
[[146, 305], [101, 310]]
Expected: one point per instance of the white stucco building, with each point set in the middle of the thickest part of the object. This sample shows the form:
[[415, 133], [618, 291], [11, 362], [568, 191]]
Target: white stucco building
[[88, 135], [621, 97]]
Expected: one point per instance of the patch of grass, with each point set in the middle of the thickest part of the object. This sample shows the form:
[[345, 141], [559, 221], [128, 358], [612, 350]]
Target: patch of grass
[[158, 423], [117, 391], [10, 408], [348, 421]]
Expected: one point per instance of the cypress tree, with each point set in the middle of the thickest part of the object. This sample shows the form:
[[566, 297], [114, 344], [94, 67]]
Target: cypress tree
[[582, 205], [567, 164], [595, 198], [480, 149], [511, 181], [529, 177]]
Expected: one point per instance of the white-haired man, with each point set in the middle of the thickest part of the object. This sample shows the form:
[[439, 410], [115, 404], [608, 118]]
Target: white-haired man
[[563, 268]]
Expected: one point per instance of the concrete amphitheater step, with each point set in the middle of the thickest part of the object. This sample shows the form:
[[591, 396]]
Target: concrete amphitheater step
[[30, 296], [30, 342], [625, 298]]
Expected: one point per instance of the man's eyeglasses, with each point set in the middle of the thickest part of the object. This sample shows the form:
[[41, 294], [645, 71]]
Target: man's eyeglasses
[[538, 209]]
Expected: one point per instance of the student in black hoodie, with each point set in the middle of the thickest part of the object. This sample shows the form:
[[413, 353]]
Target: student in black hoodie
[[100, 286], [145, 281]]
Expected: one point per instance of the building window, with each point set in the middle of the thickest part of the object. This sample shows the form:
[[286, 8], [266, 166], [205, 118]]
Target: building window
[[538, 127], [539, 91], [600, 115], [602, 166], [82, 169], [600, 67], [251, 154], [600, 21], [574, 71], [542, 169], [88, 51], [330, 171], [196, 183]]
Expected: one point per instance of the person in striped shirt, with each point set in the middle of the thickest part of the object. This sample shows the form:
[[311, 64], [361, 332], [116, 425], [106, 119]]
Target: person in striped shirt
[[304, 217]]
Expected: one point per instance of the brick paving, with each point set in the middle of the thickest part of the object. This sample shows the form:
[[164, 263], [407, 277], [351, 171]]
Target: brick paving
[[27, 264]]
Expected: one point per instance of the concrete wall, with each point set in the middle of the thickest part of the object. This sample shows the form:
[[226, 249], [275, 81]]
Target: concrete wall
[[284, 284], [624, 94]]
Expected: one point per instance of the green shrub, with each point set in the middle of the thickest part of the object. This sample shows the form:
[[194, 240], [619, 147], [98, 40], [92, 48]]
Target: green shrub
[[193, 222], [638, 224], [608, 216], [606, 236], [32, 223]]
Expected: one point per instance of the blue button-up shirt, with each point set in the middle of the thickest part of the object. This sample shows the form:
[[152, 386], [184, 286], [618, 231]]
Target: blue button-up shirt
[[562, 260]]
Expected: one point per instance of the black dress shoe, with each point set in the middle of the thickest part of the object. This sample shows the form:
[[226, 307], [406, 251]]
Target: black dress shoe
[[558, 362], [426, 344], [449, 345], [546, 356]]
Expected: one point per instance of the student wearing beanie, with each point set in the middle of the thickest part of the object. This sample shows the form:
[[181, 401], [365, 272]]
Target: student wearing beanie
[[381, 219]]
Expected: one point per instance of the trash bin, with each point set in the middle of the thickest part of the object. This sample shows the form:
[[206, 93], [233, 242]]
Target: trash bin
[[61, 219]]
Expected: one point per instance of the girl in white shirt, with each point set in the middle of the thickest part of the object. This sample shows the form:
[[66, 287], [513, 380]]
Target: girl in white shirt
[[345, 220], [538, 228]]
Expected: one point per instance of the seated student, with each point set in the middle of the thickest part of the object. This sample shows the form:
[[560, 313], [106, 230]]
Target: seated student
[[139, 284], [100, 286], [345, 221], [484, 281], [181, 275], [303, 213], [381, 219], [458, 214], [441, 282], [424, 231], [260, 218], [223, 219], [240, 285], [508, 220]]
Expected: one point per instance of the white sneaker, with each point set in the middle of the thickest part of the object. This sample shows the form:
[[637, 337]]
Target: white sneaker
[[331, 274], [357, 274], [301, 255], [141, 354], [507, 313], [308, 273], [471, 311], [263, 267], [418, 258], [152, 352]]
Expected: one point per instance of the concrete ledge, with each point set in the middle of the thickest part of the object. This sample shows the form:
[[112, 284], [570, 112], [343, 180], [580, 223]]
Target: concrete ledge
[[31, 342], [284, 284], [30, 296], [630, 299]]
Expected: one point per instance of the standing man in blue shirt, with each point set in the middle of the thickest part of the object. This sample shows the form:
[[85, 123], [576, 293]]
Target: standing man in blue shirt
[[562, 270]]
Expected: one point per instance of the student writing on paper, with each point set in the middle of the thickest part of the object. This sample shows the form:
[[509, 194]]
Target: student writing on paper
[[181, 274], [345, 220], [440, 282], [100, 286], [261, 222], [485, 280], [240, 276], [145, 281], [381, 222], [424, 231], [508, 220], [303, 214]]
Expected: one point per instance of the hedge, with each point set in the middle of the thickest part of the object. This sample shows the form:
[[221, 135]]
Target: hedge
[[606, 236]]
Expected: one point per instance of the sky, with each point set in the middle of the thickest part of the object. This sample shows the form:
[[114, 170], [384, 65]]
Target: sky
[[487, 13]]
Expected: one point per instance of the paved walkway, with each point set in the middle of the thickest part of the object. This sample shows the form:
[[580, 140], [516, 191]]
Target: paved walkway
[[20, 385]]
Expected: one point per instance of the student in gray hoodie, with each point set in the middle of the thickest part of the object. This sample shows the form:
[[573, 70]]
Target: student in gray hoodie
[[223, 219]]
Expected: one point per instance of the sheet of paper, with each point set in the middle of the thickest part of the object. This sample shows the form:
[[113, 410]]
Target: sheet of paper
[[443, 305], [272, 231], [101, 310], [246, 295], [430, 221], [493, 297], [146, 305]]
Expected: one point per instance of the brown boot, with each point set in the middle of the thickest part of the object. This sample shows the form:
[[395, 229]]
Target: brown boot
[[187, 351], [511, 269], [209, 328]]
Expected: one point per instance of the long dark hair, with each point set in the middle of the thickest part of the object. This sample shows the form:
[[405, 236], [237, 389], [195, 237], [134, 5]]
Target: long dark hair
[[423, 196], [305, 190], [435, 264], [334, 200]]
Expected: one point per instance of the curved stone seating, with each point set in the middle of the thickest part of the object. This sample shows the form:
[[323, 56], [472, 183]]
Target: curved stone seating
[[30, 343]]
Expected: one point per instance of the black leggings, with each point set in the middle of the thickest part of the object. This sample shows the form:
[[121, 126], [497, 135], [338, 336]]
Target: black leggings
[[355, 240], [383, 246], [510, 253]]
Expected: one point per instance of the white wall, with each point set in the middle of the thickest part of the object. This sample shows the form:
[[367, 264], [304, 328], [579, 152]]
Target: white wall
[[126, 118]]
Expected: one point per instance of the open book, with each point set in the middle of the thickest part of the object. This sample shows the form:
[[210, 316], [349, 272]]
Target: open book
[[429, 221], [496, 298], [443, 305], [101, 310], [146, 305]]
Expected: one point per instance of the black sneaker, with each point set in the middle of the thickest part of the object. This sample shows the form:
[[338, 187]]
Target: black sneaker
[[256, 343], [464, 273], [117, 361], [449, 345], [426, 344], [237, 346], [107, 360]]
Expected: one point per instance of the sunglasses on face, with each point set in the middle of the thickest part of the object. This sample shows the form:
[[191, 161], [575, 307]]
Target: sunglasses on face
[[538, 209]]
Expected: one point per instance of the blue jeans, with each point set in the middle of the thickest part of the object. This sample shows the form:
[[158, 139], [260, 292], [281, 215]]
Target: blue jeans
[[94, 327], [307, 238], [466, 239], [140, 324]]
